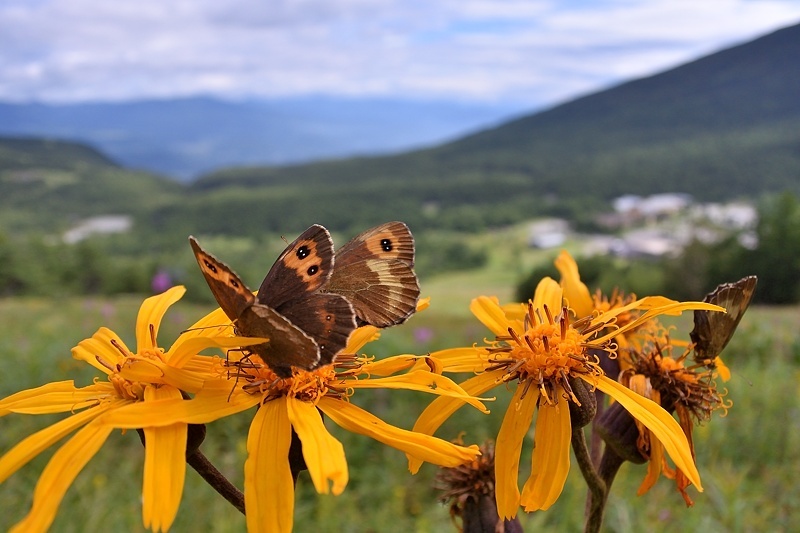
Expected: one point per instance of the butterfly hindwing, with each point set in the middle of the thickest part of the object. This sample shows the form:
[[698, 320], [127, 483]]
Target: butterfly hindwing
[[392, 240], [327, 318], [374, 271], [288, 345]]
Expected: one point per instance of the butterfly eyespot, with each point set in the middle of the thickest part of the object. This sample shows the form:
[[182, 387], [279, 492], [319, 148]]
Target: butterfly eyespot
[[313, 269], [386, 245], [234, 284], [328, 318], [303, 252], [209, 266]]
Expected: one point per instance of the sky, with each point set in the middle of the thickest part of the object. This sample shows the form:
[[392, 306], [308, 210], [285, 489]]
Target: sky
[[528, 52]]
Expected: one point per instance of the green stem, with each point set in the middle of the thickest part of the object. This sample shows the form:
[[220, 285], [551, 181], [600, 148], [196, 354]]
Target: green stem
[[597, 487], [215, 479]]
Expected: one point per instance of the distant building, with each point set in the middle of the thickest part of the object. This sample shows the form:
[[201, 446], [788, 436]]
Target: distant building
[[548, 233], [103, 224]]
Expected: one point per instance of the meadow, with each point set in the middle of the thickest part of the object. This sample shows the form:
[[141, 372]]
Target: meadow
[[748, 459]]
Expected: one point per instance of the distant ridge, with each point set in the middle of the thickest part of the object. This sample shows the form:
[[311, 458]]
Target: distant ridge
[[183, 137], [722, 126], [27, 152]]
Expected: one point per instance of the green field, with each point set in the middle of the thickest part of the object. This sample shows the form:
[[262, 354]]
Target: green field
[[748, 461]]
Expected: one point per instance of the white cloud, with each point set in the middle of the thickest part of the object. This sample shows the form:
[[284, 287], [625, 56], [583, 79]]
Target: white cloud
[[528, 51]]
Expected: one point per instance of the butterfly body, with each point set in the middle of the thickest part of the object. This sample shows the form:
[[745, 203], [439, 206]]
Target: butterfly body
[[306, 307]]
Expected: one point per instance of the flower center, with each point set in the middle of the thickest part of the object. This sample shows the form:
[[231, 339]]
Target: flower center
[[547, 352], [692, 388], [129, 389], [305, 385]]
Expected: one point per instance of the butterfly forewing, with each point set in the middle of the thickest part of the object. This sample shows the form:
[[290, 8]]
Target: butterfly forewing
[[712, 331], [230, 292], [303, 267]]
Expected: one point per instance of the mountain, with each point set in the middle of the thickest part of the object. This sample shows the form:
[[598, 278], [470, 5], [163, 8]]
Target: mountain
[[48, 186], [185, 137], [722, 127], [725, 124]]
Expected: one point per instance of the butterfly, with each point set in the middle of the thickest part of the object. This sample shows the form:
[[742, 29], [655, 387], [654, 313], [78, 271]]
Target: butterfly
[[712, 331], [307, 323]]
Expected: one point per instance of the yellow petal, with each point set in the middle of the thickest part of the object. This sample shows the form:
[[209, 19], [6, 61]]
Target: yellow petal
[[360, 337], [441, 408], [150, 314], [216, 400], [214, 324], [653, 466], [467, 359], [516, 423], [164, 466], [722, 369], [489, 312], [423, 303], [158, 373], [548, 293], [657, 420], [515, 310], [268, 484], [390, 365], [550, 462], [56, 398], [423, 447], [575, 291], [101, 346], [58, 475], [182, 352], [422, 381], [675, 308], [33, 445], [57, 386], [324, 455]]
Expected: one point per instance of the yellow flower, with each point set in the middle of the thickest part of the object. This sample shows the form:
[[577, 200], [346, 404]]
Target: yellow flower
[[144, 376], [691, 391], [295, 403], [540, 353]]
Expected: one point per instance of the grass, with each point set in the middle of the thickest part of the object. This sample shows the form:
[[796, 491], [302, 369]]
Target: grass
[[748, 459]]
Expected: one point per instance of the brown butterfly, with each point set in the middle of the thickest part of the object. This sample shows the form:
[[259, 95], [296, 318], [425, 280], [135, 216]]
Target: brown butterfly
[[305, 327], [375, 272], [308, 308], [712, 331]]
